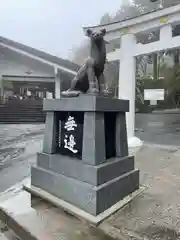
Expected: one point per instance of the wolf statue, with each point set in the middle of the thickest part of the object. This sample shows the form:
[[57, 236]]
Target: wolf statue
[[90, 77]]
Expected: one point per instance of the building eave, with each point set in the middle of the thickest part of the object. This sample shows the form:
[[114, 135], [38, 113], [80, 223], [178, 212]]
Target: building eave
[[62, 64]]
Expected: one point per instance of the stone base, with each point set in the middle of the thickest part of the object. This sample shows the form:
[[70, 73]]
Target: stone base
[[99, 173], [134, 142], [93, 189], [79, 213]]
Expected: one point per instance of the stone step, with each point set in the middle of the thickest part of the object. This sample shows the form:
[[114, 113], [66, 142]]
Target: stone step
[[22, 112], [22, 116], [34, 219], [14, 115]]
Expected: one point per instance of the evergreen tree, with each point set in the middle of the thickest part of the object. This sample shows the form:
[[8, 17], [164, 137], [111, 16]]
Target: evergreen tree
[[106, 18]]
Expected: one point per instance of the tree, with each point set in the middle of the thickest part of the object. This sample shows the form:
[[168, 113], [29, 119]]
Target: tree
[[167, 3], [106, 18], [146, 6], [126, 11]]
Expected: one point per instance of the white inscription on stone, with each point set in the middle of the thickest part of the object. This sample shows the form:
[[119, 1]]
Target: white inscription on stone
[[69, 143], [70, 124]]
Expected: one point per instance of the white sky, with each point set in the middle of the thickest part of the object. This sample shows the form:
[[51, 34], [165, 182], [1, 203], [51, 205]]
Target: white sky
[[54, 26]]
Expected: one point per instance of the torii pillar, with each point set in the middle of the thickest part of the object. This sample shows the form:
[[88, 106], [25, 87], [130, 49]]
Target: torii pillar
[[127, 84]]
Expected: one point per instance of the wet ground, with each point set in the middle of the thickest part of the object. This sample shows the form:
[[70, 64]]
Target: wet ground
[[19, 143], [152, 215], [155, 213], [159, 172], [18, 147], [163, 129]]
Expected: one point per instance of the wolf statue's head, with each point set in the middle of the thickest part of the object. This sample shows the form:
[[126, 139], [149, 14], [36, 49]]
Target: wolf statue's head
[[96, 37]]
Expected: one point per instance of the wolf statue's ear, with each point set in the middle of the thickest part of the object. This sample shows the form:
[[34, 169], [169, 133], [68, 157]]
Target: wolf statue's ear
[[103, 32], [89, 32]]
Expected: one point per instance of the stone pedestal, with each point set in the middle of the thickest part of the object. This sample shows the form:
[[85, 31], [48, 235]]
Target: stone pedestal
[[85, 158]]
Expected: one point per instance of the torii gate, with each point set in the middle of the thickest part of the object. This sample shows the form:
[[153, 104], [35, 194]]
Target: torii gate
[[126, 32]]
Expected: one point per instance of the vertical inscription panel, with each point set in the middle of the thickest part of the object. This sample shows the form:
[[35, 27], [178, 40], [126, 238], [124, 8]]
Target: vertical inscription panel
[[70, 133]]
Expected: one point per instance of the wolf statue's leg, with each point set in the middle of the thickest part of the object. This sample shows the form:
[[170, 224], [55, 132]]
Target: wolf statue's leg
[[87, 68], [93, 87], [92, 81], [82, 71], [89, 63], [101, 83]]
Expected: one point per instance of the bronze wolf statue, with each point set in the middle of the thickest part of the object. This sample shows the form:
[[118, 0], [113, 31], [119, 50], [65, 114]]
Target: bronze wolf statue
[[90, 77]]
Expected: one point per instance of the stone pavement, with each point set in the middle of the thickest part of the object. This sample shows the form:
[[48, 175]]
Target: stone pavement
[[19, 144]]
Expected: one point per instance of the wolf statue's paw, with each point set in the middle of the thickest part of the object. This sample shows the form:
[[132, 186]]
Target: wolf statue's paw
[[70, 93], [93, 91]]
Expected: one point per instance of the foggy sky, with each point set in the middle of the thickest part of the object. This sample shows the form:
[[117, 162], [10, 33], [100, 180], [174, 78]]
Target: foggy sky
[[54, 26]]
